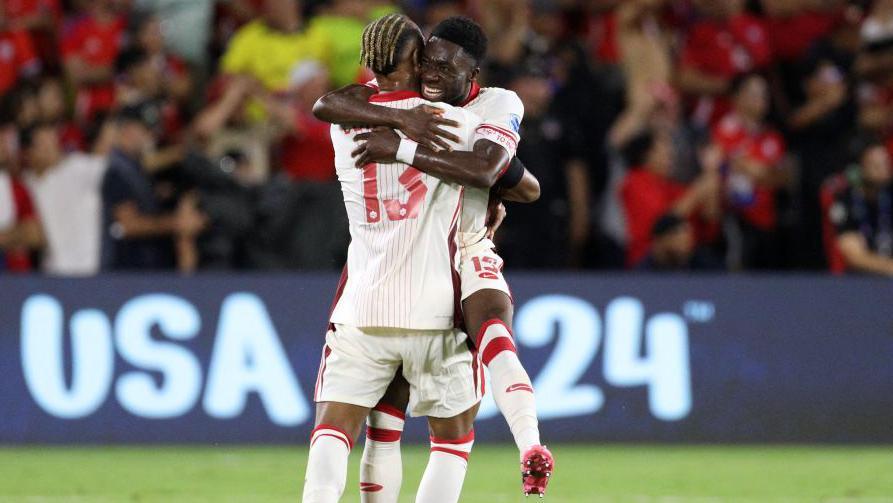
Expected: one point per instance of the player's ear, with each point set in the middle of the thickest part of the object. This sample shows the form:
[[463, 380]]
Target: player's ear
[[474, 74]]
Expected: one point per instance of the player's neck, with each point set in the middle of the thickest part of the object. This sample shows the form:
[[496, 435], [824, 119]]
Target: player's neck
[[389, 85]]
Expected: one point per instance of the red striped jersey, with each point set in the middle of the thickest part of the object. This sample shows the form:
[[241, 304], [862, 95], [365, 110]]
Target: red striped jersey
[[401, 262]]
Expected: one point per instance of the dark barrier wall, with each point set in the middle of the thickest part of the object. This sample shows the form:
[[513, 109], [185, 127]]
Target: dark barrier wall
[[234, 358]]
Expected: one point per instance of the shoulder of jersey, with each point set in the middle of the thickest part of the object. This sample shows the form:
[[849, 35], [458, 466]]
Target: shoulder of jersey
[[495, 93]]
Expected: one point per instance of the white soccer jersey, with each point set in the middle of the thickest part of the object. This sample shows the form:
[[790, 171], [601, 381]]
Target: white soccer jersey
[[501, 112], [401, 264]]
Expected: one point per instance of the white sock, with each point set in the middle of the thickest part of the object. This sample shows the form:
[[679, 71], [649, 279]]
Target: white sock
[[381, 470], [445, 473], [326, 465], [510, 383]]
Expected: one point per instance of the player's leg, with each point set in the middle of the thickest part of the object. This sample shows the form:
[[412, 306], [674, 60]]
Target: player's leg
[[337, 426], [354, 373], [488, 315], [446, 386], [451, 442], [488, 312], [381, 469]]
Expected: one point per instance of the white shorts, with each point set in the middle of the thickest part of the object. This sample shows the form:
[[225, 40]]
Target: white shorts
[[358, 364], [481, 269]]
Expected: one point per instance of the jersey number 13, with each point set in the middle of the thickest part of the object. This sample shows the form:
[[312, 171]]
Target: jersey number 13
[[410, 179]]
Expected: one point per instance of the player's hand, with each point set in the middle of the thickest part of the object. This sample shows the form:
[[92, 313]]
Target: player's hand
[[425, 125], [495, 215], [378, 145]]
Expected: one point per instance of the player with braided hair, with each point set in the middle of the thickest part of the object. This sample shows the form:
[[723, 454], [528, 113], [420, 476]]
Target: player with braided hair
[[395, 308], [449, 71]]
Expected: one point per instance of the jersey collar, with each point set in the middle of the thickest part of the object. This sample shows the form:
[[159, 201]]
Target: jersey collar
[[472, 94]]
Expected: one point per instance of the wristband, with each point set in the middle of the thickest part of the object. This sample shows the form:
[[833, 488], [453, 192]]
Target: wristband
[[406, 151]]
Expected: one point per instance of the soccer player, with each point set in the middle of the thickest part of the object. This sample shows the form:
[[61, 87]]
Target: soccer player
[[449, 71], [396, 304]]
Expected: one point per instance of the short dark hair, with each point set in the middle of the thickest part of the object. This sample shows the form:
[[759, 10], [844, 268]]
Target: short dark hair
[[465, 33], [635, 151], [130, 59]]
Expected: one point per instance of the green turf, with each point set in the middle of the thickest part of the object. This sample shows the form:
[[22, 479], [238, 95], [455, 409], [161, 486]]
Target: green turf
[[584, 474]]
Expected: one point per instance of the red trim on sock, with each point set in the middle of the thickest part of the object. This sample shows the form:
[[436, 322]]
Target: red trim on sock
[[454, 452], [496, 346], [382, 435], [349, 441], [464, 440], [370, 487], [487, 324], [346, 444], [390, 410]]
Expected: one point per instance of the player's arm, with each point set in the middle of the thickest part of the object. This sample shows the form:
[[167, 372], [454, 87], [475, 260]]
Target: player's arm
[[350, 107], [517, 184], [859, 257], [478, 168]]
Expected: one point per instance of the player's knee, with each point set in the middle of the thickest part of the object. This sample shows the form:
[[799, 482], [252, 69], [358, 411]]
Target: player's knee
[[486, 306], [345, 417], [453, 428]]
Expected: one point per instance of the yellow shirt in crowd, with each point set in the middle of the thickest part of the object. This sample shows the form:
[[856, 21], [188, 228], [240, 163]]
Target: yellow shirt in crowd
[[270, 55]]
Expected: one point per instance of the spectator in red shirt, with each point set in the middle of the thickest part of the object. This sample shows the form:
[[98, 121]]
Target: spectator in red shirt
[[648, 192], [305, 152], [753, 154], [727, 43], [18, 58], [41, 19], [89, 48], [795, 25]]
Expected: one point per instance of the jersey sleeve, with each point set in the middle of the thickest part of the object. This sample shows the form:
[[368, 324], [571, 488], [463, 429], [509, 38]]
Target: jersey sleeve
[[501, 123]]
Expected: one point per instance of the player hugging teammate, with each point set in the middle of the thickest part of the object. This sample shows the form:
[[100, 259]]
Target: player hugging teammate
[[421, 268]]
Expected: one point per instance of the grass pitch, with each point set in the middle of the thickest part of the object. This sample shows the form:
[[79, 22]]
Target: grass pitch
[[584, 474]]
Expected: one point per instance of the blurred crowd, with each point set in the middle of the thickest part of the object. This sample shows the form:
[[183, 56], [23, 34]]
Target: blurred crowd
[[667, 135]]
